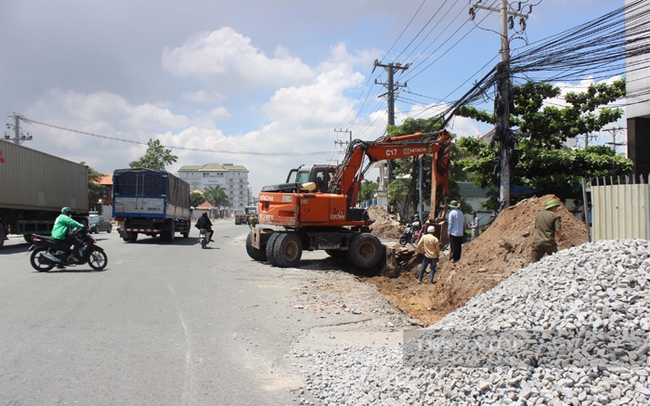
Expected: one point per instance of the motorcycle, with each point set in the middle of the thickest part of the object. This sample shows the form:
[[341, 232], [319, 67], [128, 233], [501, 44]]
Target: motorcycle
[[203, 238], [411, 234], [49, 252]]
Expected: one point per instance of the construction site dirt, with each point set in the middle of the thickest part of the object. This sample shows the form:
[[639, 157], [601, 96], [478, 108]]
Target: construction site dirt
[[497, 253]]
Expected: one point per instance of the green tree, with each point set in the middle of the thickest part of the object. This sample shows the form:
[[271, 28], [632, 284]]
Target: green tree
[[217, 196], [540, 160], [196, 199], [156, 157], [95, 190], [367, 190]]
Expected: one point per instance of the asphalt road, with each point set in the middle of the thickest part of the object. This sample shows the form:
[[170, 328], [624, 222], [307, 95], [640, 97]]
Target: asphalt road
[[163, 324]]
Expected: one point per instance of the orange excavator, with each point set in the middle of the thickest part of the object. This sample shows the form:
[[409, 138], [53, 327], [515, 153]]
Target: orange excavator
[[315, 208]]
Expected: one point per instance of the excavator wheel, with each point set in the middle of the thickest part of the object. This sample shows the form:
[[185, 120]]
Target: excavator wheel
[[254, 253], [270, 255], [287, 250], [365, 250]]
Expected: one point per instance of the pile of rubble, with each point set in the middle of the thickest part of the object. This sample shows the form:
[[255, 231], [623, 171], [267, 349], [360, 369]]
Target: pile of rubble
[[487, 261], [570, 329], [385, 225]]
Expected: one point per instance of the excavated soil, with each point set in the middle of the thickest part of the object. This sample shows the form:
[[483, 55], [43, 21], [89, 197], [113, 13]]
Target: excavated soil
[[496, 254]]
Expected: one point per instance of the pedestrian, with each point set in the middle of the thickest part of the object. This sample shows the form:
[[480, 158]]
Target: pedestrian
[[455, 230], [474, 224], [548, 224], [430, 247]]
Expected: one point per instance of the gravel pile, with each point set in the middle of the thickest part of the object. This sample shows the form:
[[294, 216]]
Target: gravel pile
[[571, 329]]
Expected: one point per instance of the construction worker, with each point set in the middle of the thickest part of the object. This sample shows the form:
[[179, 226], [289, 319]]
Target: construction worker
[[430, 247], [548, 224]]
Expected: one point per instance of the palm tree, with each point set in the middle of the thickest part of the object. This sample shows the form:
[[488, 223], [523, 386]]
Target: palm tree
[[217, 197]]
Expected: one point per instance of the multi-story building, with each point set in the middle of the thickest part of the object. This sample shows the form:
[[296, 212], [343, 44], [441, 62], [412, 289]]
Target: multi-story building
[[232, 178]]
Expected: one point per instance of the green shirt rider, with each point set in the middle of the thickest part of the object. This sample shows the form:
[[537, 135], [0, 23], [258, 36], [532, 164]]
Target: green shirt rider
[[61, 230]]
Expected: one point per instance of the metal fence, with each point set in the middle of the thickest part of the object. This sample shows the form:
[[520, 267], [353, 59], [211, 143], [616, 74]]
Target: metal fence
[[621, 208]]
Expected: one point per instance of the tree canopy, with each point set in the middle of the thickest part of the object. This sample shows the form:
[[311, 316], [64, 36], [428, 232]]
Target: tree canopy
[[95, 190], [540, 159], [216, 196], [156, 157], [196, 199]]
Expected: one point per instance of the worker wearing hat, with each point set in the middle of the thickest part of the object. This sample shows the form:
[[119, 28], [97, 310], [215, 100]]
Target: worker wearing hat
[[455, 230], [430, 247], [548, 224]]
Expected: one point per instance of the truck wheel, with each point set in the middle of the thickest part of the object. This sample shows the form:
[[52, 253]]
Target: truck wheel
[[365, 250], [287, 250], [270, 244], [130, 236], [3, 235], [254, 253], [168, 235]]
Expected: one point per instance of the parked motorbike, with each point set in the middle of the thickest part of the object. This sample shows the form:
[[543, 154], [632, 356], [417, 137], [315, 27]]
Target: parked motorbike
[[49, 252], [411, 234], [406, 235], [203, 238]]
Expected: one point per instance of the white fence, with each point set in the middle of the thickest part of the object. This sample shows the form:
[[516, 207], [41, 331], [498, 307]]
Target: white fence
[[621, 208]]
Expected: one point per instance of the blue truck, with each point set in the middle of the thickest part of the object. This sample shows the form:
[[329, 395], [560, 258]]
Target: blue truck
[[150, 202]]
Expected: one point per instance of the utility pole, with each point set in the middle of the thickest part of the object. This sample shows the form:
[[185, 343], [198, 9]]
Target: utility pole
[[613, 132], [341, 143], [502, 100], [391, 88], [19, 136]]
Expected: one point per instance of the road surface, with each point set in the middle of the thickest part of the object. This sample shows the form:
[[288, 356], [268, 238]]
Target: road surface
[[164, 324]]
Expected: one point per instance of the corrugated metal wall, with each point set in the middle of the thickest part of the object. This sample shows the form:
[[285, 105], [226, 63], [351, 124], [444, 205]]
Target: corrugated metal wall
[[620, 211], [31, 179]]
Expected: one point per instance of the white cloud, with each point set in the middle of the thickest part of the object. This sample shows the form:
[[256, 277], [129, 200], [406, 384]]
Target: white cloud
[[220, 113], [202, 96], [321, 103], [226, 60]]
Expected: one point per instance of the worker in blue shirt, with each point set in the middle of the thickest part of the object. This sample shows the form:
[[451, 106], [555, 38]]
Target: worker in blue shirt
[[455, 230]]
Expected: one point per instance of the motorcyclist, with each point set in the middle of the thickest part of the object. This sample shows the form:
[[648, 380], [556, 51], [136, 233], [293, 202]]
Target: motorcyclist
[[61, 230], [204, 222], [415, 225]]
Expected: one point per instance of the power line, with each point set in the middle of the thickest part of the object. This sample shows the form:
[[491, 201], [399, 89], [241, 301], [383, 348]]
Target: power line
[[29, 120]]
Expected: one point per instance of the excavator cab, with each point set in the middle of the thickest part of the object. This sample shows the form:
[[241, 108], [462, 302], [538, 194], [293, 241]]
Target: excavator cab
[[320, 175]]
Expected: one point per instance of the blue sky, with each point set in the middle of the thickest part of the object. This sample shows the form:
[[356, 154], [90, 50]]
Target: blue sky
[[257, 83]]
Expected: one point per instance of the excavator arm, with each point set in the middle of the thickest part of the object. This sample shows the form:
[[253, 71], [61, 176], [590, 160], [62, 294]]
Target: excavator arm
[[350, 173]]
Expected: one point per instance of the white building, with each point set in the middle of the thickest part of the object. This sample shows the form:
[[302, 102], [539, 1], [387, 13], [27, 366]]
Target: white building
[[232, 178], [638, 84]]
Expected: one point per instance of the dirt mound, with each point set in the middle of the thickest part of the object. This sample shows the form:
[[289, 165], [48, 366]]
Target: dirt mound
[[496, 254], [385, 224]]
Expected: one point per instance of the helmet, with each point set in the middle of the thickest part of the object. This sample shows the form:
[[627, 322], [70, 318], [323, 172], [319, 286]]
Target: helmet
[[66, 210], [551, 203]]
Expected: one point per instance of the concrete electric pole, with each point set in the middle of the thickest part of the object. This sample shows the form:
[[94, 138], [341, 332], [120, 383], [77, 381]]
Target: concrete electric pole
[[502, 100], [19, 136], [391, 88]]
